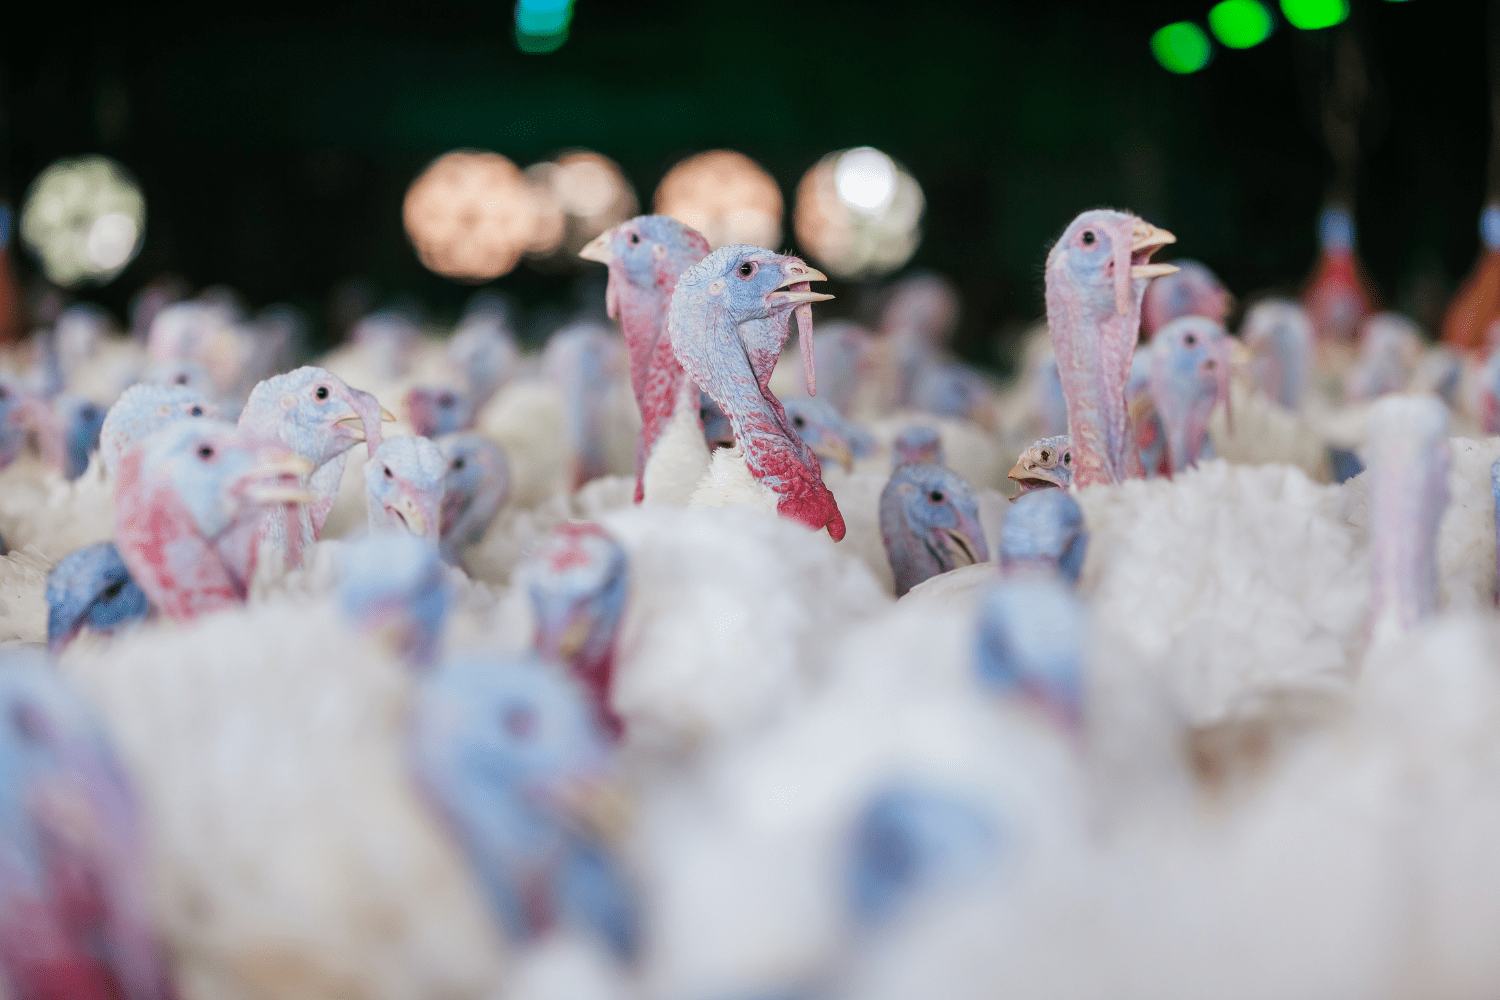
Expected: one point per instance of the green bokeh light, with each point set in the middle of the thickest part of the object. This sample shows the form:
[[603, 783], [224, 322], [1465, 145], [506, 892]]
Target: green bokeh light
[[542, 25], [1240, 24], [1310, 14], [1181, 47]]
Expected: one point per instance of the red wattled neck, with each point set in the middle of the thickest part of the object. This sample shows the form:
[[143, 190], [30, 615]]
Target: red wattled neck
[[181, 574]]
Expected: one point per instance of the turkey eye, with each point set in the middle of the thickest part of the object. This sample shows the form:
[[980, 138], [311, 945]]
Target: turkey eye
[[1045, 456], [798, 422], [1190, 340], [747, 269], [1067, 458], [1088, 237], [113, 590], [181, 380], [87, 413], [446, 399], [196, 411], [635, 238], [322, 392], [4, 392], [458, 464], [205, 452], [388, 473], [936, 496], [519, 721]]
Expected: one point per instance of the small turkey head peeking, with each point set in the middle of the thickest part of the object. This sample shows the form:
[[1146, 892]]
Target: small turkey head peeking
[[1409, 462], [1189, 377], [1048, 464], [314, 413], [728, 323], [404, 482], [435, 412], [475, 487], [822, 429], [91, 588], [717, 433], [645, 257], [1044, 532], [1279, 337], [917, 445], [1390, 351], [188, 505], [394, 588], [578, 579], [1096, 275], [1193, 291], [144, 409], [930, 524], [508, 751], [75, 896], [1029, 645], [67, 430]]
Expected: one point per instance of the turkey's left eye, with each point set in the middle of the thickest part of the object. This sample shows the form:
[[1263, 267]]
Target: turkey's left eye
[[388, 473], [635, 238], [1088, 237], [1067, 458], [322, 392], [196, 411], [113, 590], [798, 422], [205, 452], [936, 496], [458, 464], [1190, 340], [747, 269]]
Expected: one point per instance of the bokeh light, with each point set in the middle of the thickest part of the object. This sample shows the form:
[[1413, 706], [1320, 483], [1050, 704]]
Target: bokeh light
[[1181, 47], [1310, 15], [542, 25], [471, 215], [84, 219], [858, 213], [579, 195], [726, 196], [1240, 24]]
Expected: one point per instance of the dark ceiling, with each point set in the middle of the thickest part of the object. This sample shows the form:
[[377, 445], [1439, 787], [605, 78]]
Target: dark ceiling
[[275, 144]]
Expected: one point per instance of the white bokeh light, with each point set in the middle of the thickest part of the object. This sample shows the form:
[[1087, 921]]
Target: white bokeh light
[[865, 179], [84, 219]]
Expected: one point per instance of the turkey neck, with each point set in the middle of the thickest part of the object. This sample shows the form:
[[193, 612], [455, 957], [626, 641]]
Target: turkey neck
[[735, 371], [1408, 494], [1093, 364], [655, 373]]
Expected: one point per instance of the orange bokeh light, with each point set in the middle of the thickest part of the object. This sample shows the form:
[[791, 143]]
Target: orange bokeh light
[[726, 196], [471, 215]]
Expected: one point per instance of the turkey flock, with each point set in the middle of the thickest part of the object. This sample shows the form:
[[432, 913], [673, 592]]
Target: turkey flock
[[667, 664]]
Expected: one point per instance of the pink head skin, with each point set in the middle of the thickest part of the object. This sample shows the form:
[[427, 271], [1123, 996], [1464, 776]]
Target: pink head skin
[[404, 488], [1390, 349], [74, 912], [729, 321], [578, 579], [188, 501], [1096, 275], [1409, 462], [645, 257], [141, 411], [1279, 336], [319, 417], [1189, 378], [1193, 291]]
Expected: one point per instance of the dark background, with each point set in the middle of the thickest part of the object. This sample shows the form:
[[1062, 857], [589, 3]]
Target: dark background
[[275, 144]]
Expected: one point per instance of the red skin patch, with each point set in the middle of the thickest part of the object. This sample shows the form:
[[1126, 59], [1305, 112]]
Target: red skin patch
[[180, 573]]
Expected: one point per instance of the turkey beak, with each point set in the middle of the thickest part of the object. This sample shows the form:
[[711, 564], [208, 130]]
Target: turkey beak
[[963, 545], [351, 425], [411, 515], [598, 248], [834, 449], [798, 293], [276, 479], [1030, 475], [595, 804], [1145, 240]]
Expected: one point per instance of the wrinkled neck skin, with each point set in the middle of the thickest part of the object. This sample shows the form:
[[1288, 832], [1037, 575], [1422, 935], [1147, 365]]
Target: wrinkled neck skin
[[733, 364], [1409, 492], [655, 373], [1093, 363], [182, 574]]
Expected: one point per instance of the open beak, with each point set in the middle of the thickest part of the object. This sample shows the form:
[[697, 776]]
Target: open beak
[[351, 425], [1030, 476], [598, 248], [795, 291], [963, 545], [1145, 240], [275, 480]]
